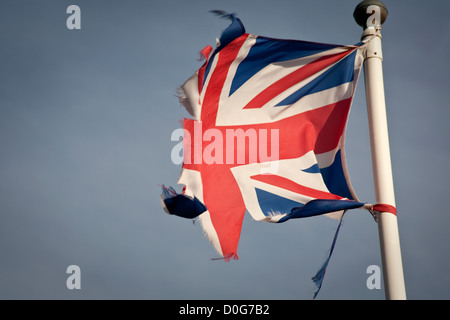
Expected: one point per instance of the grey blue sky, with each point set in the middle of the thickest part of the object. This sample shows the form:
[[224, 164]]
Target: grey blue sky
[[85, 123]]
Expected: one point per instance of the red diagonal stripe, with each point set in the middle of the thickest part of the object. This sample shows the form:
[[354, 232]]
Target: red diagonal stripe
[[290, 185], [293, 78], [201, 72], [212, 95]]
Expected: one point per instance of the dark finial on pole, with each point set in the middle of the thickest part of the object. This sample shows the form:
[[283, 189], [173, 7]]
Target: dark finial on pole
[[370, 13]]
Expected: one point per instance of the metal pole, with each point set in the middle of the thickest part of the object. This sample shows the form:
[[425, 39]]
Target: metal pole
[[370, 14]]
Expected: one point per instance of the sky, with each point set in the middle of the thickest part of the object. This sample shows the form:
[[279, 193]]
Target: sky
[[86, 118]]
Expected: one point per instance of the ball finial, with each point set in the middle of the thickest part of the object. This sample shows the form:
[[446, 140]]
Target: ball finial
[[377, 15]]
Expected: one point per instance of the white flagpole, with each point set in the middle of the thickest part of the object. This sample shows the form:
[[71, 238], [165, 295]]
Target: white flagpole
[[370, 14]]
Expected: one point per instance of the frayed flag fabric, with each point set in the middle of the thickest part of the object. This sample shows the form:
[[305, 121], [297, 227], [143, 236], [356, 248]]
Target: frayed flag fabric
[[267, 134]]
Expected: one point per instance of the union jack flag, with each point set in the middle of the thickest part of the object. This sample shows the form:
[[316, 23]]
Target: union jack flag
[[289, 97]]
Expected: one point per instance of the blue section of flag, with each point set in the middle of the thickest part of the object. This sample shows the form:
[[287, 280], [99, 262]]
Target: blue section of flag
[[233, 31], [342, 72], [313, 169], [181, 205], [334, 178], [318, 206], [271, 203], [266, 51]]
